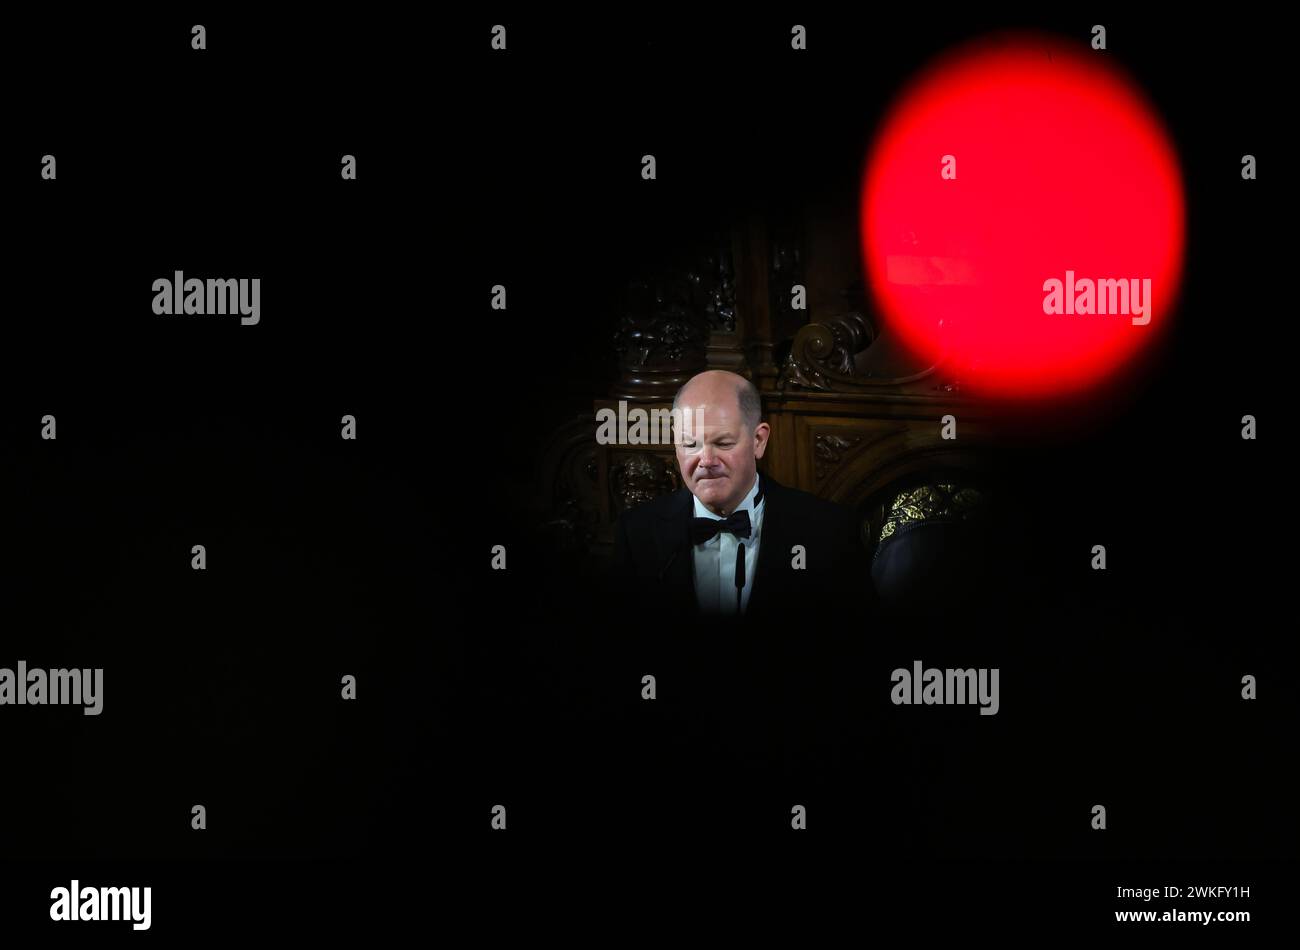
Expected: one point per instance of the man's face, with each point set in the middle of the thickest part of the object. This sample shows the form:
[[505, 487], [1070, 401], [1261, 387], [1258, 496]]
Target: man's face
[[716, 453]]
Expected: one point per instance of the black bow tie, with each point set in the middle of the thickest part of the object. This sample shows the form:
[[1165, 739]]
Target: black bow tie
[[704, 529]]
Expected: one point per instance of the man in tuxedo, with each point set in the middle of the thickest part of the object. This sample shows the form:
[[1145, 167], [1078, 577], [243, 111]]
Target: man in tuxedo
[[752, 605], [733, 543]]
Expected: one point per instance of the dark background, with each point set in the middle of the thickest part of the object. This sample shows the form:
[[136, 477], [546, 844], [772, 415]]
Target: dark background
[[371, 557]]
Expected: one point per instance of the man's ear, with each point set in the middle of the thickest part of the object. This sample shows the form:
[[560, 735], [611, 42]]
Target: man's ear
[[760, 439]]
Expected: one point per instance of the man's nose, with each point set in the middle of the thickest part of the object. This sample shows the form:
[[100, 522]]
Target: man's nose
[[707, 456]]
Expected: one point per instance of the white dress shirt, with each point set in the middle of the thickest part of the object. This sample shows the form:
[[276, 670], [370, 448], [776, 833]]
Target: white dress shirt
[[715, 559]]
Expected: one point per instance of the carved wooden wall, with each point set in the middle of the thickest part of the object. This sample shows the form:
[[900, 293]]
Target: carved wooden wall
[[851, 417]]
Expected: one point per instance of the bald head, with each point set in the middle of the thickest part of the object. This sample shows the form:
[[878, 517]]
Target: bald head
[[715, 386], [719, 448]]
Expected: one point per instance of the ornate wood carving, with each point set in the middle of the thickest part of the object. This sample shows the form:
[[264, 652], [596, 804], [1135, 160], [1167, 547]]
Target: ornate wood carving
[[637, 477], [679, 321], [829, 450], [569, 474], [941, 501], [823, 354]]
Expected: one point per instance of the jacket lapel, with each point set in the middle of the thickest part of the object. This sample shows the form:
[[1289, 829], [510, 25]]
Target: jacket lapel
[[673, 549], [774, 547]]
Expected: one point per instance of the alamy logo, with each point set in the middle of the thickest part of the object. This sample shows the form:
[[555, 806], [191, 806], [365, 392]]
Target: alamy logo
[[36, 687], [1104, 296], [103, 903], [917, 687], [637, 426], [182, 296]]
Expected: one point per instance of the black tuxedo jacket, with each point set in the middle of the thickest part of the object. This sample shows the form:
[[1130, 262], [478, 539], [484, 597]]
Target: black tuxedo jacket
[[655, 571], [780, 688]]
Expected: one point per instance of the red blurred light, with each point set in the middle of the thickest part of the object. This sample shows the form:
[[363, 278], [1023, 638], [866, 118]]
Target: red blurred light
[[1061, 165]]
